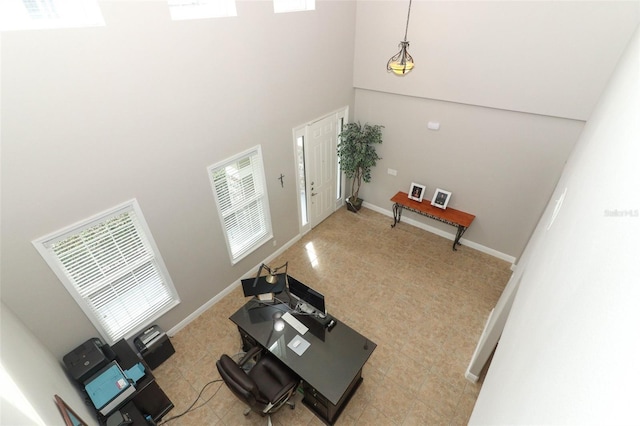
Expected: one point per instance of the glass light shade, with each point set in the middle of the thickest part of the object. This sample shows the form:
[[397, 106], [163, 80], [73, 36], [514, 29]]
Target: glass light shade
[[272, 278], [401, 63], [399, 68]]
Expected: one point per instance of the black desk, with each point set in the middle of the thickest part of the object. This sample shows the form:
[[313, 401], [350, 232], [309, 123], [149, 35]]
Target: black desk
[[331, 368], [148, 398]]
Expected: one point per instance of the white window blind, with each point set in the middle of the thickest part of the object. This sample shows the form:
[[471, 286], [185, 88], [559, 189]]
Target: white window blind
[[243, 206], [111, 267]]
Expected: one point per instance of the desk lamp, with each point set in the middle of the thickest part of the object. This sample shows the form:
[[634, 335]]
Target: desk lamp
[[272, 273]]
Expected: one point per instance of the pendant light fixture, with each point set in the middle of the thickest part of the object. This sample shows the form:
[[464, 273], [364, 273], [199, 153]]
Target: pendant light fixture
[[401, 63]]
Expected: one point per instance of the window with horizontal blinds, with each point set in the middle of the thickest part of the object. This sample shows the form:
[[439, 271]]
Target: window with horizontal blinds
[[111, 267], [240, 192]]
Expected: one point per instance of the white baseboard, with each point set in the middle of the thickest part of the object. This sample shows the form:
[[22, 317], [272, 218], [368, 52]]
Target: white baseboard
[[444, 234], [468, 374], [215, 299], [470, 377], [195, 314]]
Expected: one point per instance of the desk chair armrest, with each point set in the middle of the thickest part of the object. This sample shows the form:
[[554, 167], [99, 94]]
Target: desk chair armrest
[[251, 354]]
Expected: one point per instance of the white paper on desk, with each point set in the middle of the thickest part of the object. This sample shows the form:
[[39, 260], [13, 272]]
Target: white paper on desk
[[301, 347]]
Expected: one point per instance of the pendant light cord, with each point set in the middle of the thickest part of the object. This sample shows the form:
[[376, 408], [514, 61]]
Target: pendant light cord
[[407, 27]]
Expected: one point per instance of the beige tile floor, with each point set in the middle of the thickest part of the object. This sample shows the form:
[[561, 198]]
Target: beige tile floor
[[404, 288]]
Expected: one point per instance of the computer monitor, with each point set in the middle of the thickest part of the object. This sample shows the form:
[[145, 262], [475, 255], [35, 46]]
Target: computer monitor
[[108, 388], [309, 299]]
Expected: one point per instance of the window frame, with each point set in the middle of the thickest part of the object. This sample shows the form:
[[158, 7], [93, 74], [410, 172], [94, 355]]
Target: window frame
[[44, 246], [265, 236], [186, 10], [299, 140]]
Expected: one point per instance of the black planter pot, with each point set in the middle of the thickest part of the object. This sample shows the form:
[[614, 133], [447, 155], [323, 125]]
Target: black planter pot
[[354, 206]]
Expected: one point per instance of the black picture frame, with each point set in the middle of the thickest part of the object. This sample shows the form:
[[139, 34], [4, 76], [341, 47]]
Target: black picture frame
[[416, 192], [441, 198]]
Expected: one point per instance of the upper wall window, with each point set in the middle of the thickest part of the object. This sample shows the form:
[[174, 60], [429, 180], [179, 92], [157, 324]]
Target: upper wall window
[[201, 9], [45, 14], [283, 6], [112, 268], [240, 192]]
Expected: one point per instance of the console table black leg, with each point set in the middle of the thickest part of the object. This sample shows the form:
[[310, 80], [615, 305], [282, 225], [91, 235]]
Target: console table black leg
[[397, 214], [456, 242]]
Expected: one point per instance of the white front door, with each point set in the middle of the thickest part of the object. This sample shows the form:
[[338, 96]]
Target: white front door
[[320, 161], [319, 182]]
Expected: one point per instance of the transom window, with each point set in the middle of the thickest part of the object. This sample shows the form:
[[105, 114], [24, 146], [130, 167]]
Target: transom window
[[112, 268], [283, 6], [240, 192], [44, 14], [201, 9]]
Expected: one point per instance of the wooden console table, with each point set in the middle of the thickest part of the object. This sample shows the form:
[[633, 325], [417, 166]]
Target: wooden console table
[[450, 216]]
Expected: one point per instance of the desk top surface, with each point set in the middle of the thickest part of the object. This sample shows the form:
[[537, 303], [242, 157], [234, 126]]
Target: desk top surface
[[452, 215], [329, 364]]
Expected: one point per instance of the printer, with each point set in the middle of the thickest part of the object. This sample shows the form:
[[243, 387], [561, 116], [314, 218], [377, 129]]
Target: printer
[[85, 360]]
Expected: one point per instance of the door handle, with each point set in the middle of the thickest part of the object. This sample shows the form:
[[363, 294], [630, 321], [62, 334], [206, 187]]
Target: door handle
[[313, 194]]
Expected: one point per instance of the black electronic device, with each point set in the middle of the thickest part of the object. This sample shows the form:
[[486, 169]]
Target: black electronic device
[[316, 326], [331, 324], [86, 359], [119, 419], [154, 346], [147, 337], [309, 300]]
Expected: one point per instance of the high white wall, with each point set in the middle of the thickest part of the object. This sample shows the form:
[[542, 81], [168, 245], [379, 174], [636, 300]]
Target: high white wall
[[499, 165], [569, 350], [510, 82], [37, 375], [543, 57], [138, 109]]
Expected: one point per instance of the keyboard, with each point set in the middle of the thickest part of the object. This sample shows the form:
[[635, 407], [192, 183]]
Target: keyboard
[[295, 323]]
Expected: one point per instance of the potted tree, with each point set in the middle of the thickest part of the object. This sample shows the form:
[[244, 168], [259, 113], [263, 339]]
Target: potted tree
[[357, 154]]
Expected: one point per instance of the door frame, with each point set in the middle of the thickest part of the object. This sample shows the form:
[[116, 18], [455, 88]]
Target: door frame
[[341, 116]]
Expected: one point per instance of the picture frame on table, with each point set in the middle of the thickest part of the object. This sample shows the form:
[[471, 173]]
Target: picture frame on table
[[441, 198], [416, 192]]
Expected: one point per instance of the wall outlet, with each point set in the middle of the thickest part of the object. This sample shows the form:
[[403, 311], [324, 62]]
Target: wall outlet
[[392, 172]]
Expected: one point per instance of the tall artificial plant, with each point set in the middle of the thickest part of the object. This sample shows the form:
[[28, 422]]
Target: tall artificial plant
[[357, 153]]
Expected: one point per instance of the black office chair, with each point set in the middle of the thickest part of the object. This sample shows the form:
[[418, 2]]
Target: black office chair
[[265, 388]]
